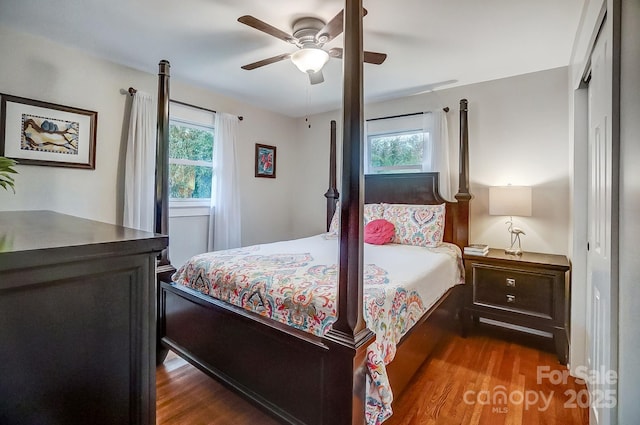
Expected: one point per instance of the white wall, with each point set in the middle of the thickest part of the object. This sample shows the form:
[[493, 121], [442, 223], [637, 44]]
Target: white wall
[[309, 215], [34, 68], [188, 236], [518, 130], [37, 68]]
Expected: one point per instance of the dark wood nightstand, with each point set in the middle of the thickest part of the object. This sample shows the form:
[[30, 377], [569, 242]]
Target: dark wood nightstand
[[530, 290]]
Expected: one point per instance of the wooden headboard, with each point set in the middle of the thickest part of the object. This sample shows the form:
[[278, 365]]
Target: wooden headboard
[[416, 188]]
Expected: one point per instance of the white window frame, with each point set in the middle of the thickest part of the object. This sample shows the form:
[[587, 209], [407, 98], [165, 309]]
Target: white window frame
[[426, 137], [191, 202]]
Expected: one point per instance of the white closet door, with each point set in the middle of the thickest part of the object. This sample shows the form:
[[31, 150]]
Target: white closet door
[[602, 321]]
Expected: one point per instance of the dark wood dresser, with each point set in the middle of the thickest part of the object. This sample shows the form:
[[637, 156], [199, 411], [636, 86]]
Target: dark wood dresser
[[77, 321], [530, 290]]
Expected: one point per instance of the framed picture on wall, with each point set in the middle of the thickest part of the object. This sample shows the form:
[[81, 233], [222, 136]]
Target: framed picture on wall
[[39, 133], [265, 161]]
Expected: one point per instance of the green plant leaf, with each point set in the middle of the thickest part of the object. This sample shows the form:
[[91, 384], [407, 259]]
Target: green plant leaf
[[6, 167]]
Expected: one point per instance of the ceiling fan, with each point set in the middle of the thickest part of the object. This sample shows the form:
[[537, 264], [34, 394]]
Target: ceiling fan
[[309, 35]]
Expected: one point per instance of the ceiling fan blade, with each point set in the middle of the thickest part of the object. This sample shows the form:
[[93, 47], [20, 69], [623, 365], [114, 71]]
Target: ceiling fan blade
[[266, 28], [374, 57], [334, 27], [369, 57], [316, 77], [268, 61], [336, 52], [331, 29]]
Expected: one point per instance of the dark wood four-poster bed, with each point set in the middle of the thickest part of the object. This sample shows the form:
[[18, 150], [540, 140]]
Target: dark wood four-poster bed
[[297, 376]]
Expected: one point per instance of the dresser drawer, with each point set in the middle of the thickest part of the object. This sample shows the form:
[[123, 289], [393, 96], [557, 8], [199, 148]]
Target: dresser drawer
[[528, 292]]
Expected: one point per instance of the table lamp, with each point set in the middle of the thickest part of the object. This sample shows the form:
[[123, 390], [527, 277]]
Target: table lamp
[[510, 201]]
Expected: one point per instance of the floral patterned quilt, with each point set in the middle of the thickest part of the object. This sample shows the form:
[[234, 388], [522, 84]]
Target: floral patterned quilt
[[294, 282]]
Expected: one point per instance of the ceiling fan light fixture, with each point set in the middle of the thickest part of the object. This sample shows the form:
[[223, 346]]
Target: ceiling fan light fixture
[[310, 59]]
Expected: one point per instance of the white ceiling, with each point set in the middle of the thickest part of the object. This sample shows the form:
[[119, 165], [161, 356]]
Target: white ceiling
[[430, 43]]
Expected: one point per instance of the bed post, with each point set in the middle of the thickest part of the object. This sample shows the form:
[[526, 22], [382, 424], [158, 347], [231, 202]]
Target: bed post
[[461, 237], [349, 337], [164, 269], [332, 193]]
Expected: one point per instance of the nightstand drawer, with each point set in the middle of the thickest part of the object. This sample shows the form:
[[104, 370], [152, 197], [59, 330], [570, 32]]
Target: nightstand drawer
[[528, 292]]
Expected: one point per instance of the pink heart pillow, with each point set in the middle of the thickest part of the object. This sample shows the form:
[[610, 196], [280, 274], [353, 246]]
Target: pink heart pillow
[[379, 232]]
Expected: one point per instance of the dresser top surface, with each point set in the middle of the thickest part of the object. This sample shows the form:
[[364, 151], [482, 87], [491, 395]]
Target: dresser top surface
[[22, 231]]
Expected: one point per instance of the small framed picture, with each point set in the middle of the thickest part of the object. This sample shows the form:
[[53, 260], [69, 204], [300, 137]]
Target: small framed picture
[[265, 161], [39, 133]]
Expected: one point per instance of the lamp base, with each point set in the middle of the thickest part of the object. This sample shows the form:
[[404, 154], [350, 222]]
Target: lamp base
[[512, 251]]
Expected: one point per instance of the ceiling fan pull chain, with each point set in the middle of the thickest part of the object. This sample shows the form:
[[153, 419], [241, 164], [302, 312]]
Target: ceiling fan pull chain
[[306, 119]]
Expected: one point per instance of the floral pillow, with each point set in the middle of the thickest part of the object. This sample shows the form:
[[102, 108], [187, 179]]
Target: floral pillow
[[420, 225], [335, 220], [371, 212]]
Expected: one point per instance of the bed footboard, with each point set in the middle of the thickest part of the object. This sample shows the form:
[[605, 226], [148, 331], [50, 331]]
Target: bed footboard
[[292, 375]]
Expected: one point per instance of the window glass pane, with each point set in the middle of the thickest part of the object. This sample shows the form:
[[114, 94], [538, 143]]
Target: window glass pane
[[190, 142], [189, 181], [396, 150]]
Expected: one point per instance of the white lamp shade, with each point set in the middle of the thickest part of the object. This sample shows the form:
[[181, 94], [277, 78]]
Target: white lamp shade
[[510, 200], [310, 59]]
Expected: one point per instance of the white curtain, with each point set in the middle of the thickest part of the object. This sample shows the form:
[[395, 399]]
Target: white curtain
[[224, 219], [140, 164], [436, 124]]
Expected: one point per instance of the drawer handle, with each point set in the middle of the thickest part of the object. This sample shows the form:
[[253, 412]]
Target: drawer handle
[[511, 282], [511, 298]]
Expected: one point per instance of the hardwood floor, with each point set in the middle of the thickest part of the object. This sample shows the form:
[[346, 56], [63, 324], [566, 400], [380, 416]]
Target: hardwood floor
[[489, 378], [492, 377], [186, 396]]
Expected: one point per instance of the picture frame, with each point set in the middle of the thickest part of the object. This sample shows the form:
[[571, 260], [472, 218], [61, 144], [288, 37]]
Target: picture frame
[[34, 132], [265, 161]]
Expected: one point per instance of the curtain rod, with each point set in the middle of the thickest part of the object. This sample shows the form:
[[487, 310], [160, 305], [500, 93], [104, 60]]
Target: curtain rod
[[446, 109], [133, 91]]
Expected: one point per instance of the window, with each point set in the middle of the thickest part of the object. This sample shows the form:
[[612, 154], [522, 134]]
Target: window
[[397, 152], [191, 139], [397, 145]]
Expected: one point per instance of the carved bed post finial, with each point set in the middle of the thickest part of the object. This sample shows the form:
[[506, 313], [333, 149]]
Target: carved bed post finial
[[332, 193], [463, 182]]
